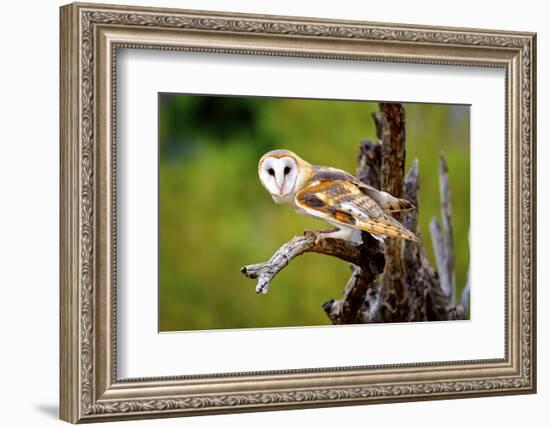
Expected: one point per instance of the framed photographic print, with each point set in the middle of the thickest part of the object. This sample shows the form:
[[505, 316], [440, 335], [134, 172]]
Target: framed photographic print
[[265, 212]]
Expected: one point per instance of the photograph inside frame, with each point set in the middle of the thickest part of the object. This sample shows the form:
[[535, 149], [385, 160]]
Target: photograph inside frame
[[286, 212]]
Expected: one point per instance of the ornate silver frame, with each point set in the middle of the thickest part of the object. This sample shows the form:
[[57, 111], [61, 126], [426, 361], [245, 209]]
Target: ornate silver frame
[[90, 35]]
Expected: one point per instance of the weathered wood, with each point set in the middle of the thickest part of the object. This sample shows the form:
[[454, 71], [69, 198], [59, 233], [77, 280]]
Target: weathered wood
[[347, 310], [442, 236], [369, 163], [427, 301], [417, 272], [390, 128], [465, 297]]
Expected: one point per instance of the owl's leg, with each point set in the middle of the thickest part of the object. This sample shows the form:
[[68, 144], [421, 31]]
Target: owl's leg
[[377, 237], [343, 233]]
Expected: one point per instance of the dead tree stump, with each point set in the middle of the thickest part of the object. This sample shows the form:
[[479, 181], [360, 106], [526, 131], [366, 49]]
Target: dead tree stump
[[394, 282]]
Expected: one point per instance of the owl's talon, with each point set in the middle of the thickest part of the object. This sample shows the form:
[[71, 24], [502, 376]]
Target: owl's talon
[[314, 233], [310, 233], [318, 237], [320, 234]]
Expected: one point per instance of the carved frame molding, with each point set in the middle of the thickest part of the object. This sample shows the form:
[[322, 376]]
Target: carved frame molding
[[90, 36]]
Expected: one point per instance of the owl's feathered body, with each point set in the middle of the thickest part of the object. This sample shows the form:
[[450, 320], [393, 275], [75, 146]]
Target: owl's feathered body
[[332, 195]]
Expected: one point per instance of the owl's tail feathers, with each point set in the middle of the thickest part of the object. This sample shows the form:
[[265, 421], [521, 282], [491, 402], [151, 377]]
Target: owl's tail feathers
[[386, 201], [393, 204], [388, 228]]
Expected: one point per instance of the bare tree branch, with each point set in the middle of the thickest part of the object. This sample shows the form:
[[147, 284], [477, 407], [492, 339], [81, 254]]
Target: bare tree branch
[[265, 272]]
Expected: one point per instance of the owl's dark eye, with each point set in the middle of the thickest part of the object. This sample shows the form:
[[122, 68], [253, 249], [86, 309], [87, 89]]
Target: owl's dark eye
[[287, 170], [271, 171]]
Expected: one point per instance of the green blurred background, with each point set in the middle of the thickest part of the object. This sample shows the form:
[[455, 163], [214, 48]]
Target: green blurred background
[[216, 217]]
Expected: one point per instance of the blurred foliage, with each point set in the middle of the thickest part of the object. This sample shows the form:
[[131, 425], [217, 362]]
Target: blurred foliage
[[216, 217]]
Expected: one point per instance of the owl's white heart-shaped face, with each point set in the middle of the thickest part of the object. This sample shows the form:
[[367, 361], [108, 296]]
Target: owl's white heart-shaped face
[[278, 175]]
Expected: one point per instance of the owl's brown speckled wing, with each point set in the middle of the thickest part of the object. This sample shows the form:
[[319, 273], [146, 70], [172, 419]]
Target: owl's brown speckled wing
[[386, 201], [345, 203]]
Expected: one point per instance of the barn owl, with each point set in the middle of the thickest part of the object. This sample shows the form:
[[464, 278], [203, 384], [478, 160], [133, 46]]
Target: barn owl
[[332, 195]]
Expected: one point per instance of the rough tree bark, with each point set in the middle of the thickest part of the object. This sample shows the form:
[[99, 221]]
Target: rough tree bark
[[393, 282], [390, 129]]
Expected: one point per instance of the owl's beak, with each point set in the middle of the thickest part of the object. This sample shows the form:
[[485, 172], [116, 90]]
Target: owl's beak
[[280, 186]]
